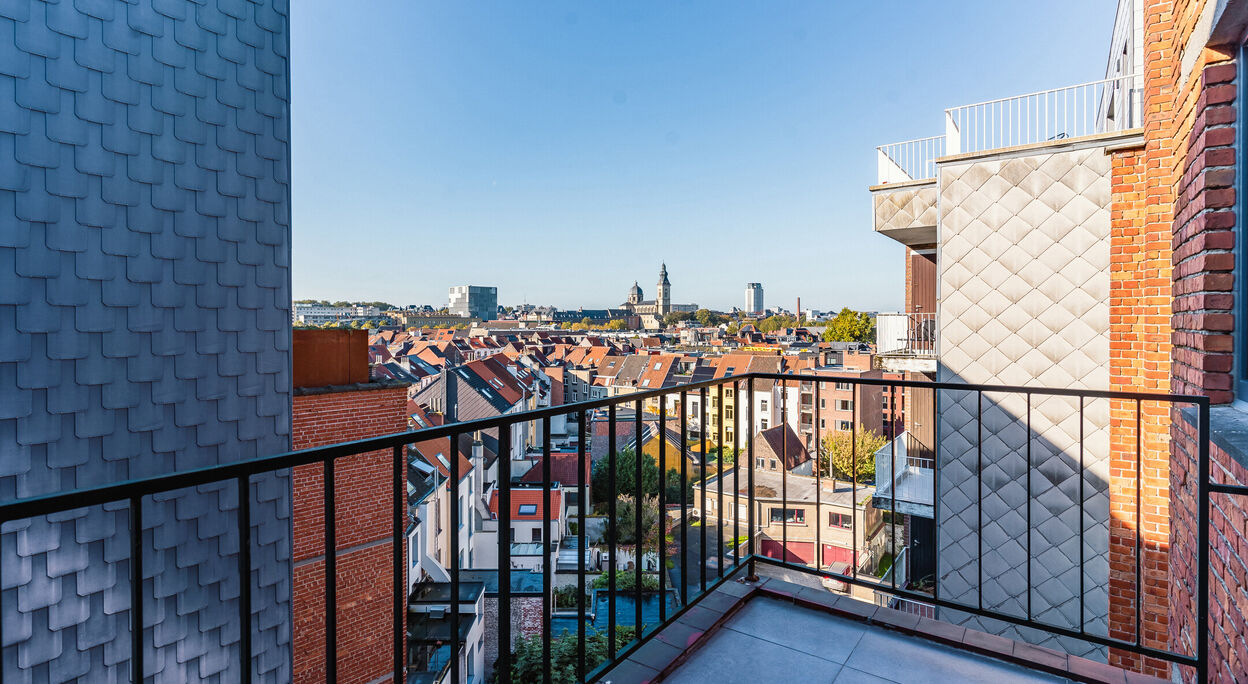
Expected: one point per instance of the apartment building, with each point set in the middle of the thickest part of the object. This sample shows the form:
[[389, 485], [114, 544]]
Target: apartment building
[[1021, 234]]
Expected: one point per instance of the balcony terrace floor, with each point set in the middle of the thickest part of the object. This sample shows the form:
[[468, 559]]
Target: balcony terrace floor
[[771, 641], [786, 627]]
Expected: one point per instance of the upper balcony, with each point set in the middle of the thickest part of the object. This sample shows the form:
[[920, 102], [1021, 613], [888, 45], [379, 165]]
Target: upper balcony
[[906, 342], [907, 192]]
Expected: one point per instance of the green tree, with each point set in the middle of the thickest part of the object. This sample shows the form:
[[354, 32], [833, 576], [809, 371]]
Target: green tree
[[707, 318], [734, 328], [587, 321], [626, 520], [625, 476], [777, 322], [675, 317], [625, 581], [617, 324], [850, 326], [527, 662], [840, 449]]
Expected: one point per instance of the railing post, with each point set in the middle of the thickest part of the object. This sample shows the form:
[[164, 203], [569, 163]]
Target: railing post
[[243, 485], [137, 668], [582, 504], [331, 574], [399, 490], [612, 535], [504, 552], [684, 498], [661, 434], [637, 509], [547, 545], [953, 136], [1202, 541], [750, 572], [453, 461]]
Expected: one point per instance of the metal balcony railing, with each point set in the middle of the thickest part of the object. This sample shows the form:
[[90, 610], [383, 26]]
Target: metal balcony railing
[[907, 334], [1105, 106], [910, 160], [697, 567]]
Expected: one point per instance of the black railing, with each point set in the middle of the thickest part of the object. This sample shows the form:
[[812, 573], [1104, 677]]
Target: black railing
[[688, 592]]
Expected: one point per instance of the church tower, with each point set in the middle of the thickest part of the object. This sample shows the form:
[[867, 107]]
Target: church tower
[[663, 297], [634, 295]]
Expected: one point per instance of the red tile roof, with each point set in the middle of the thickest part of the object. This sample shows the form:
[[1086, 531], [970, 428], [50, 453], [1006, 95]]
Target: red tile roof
[[529, 497], [562, 470]]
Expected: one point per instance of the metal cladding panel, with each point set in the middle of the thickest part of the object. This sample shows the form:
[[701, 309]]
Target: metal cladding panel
[[1024, 300], [144, 301]]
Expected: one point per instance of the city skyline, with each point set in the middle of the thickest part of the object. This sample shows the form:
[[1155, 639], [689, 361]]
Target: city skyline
[[732, 142]]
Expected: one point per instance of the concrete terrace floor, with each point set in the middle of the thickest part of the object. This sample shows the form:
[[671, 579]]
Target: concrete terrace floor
[[772, 641]]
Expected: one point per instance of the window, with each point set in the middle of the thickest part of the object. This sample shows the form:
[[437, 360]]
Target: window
[[512, 536], [528, 509], [773, 464], [728, 412], [537, 534], [823, 403], [763, 424], [762, 462], [762, 405], [823, 422], [645, 383], [843, 425], [842, 520], [844, 386], [796, 516], [844, 405]]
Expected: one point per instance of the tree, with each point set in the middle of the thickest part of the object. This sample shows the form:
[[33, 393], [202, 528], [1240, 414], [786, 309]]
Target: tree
[[626, 520], [776, 322], [580, 326], [617, 324], [850, 326], [734, 328], [839, 449], [675, 317], [625, 475], [527, 657], [587, 321], [707, 318]]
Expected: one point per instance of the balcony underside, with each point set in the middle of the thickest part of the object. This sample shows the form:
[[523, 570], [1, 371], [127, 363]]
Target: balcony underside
[[906, 212], [906, 363]]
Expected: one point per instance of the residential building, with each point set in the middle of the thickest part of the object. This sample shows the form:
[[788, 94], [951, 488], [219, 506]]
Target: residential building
[[335, 401], [788, 508], [474, 301], [754, 299], [1022, 229], [531, 549], [780, 449]]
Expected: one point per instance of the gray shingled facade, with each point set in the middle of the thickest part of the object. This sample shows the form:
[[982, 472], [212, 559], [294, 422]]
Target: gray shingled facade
[[144, 327]]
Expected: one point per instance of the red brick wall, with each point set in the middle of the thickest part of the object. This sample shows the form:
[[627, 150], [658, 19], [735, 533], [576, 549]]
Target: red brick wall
[[1228, 561], [1203, 243], [1195, 119], [1139, 333], [363, 523]]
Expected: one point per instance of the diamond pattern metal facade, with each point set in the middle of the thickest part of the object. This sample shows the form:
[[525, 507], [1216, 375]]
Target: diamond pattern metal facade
[[1024, 300], [911, 207], [144, 327]]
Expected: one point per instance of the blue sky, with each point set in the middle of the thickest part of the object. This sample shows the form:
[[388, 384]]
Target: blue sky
[[560, 150]]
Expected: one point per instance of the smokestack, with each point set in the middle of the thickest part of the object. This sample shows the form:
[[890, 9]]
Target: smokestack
[[799, 309]]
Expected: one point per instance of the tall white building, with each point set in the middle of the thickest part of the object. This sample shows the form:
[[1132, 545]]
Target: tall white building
[[754, 298]]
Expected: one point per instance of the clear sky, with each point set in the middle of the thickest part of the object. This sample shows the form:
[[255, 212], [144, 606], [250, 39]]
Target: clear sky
[[561, 150]]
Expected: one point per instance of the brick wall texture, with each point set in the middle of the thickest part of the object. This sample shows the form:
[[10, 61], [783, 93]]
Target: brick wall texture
[[1139, 359], [1190, 107], [363, 522], [144, 329]]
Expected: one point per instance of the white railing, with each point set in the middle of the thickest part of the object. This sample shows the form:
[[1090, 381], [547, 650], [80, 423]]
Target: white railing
[[1104, 106], [912, 334], [910, 160]]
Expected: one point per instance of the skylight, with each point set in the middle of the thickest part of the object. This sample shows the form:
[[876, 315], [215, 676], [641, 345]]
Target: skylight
[[528, 509]]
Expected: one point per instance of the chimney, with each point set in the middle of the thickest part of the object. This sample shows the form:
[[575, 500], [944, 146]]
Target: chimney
[[478, 450]]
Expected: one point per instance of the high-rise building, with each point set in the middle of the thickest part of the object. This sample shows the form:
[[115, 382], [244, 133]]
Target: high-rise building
[[754, 298], [144, 330], [474, 301]]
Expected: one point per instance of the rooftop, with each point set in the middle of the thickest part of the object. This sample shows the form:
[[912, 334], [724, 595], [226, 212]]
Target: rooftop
[[798, 488]]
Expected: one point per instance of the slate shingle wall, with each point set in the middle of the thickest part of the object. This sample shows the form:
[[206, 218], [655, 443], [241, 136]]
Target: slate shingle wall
[[144, 326]]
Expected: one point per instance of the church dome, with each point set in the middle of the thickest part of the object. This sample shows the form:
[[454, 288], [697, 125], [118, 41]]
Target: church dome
[[635, 290]]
